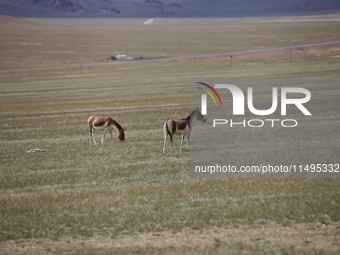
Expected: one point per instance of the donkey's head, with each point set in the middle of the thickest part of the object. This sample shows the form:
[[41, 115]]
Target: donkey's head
[[121, 135], [198, 115]]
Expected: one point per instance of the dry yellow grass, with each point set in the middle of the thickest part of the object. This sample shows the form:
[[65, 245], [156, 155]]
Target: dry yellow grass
[[83, 198]]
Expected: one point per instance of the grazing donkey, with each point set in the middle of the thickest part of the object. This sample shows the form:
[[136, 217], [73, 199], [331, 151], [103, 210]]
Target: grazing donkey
[[105, 124], [181, 127]]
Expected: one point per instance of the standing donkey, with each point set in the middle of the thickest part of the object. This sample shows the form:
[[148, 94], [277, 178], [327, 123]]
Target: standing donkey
[[105, 124], [181, 127]]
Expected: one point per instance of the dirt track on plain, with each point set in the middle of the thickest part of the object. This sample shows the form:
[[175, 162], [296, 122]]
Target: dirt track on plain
[[228, 55]]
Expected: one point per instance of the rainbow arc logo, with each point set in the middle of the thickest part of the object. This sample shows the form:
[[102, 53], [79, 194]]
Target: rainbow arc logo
[[204, 96]]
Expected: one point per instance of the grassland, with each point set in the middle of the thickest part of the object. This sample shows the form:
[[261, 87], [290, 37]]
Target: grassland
[[42, 44], [131, 198]]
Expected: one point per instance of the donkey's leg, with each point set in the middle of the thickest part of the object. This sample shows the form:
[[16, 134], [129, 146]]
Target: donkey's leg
[[170, 143], [105, 131], [188, 138], [111, 135], [167, 133], [180, 147], [165, 136], [92, 136]]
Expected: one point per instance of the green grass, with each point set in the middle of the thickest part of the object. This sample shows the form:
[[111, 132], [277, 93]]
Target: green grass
[[76, 191]]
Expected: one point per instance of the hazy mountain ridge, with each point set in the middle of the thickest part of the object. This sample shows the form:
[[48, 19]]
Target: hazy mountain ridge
[[165, 8], [65, 5]]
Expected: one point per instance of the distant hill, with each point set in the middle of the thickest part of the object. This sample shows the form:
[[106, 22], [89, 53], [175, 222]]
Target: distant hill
[[165, 8]]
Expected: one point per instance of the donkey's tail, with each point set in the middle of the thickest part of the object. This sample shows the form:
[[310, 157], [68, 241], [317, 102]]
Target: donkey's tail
[[166, 129]]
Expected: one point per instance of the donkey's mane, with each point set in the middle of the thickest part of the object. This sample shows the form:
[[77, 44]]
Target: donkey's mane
[[187, 118], [117, 124]]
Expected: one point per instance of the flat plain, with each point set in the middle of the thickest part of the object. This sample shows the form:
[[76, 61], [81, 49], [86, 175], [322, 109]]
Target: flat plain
[[130, 198]]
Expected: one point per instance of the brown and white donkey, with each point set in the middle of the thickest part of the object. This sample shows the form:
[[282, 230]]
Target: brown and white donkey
[[181, 127], [105, 124]]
